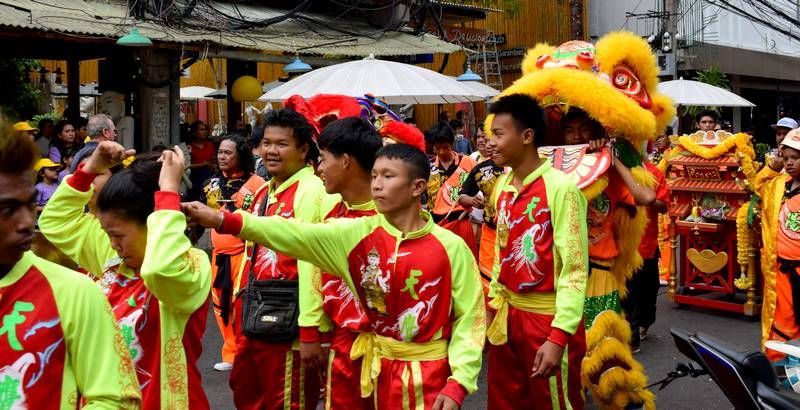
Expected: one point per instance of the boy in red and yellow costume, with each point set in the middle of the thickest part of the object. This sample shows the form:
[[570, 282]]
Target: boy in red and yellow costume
[[58, 339], [540, 272], [424, 338], [614, 84]]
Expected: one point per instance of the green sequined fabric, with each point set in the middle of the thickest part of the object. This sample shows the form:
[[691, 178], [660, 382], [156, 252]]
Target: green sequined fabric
[[596, 304]]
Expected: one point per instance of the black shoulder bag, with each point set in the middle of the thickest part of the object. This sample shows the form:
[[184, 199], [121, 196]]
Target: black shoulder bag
[[270, 307]]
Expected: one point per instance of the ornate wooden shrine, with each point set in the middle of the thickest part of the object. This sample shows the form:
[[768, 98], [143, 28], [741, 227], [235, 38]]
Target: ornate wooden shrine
[[712, 263]]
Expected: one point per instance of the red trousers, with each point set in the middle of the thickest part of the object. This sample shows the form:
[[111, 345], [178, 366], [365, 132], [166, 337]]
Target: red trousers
[[401, 385], [343, 389], [509, 381], [268, 376]]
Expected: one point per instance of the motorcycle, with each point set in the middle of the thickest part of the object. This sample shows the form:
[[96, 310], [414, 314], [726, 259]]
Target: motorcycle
[[747, 378]]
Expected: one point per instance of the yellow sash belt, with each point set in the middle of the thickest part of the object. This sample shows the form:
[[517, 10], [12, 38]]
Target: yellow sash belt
[[535, 302], [371, 348]]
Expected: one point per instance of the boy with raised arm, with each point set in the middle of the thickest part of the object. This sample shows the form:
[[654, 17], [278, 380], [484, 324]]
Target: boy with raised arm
[[417, 282]]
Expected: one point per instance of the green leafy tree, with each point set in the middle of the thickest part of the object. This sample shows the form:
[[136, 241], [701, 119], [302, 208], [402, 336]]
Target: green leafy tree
[[712, 76], [18, 98]]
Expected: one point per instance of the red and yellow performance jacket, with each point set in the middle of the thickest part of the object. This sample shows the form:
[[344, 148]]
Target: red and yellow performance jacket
[[542, 252], [421, 291], [300, 198], [341, 305], [59, 344], [162, 309]]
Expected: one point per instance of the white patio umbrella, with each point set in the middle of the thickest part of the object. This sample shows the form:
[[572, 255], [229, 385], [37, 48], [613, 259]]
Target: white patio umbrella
[[195, 92], [480, 89], [691, 93], [396, 83]]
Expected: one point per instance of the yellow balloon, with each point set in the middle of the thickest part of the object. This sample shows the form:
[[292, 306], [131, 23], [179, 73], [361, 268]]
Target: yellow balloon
[[246, 88]]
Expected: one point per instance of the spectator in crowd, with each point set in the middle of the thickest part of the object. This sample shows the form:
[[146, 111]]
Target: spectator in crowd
[[24, 129], [81, 133], [65, 143], [99, 128], [707, 120], [481, 153], [461, 144], [782, 127], [46, 181]]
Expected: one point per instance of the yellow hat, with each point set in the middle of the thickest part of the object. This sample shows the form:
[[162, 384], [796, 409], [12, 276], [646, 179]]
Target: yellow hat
[[45, 163], [24, 126], [792, 139]]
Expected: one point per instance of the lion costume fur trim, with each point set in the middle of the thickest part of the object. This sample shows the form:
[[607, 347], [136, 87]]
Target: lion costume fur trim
[[595, 189], [609, 369], [628, 232]]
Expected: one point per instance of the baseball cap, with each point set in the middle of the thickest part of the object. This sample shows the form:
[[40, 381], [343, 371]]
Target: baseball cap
[[24, 126], [45, 163], [785, 122], [792, 139]]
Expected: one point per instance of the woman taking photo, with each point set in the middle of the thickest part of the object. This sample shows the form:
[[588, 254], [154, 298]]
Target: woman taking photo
[[65, 144], [231, 189], [156, 283]]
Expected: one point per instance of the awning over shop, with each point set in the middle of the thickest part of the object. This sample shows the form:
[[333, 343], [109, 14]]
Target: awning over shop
[[215, 24]]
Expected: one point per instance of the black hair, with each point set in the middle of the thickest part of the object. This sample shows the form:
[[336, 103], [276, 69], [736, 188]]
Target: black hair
[[244, 154], [81, 122], [193, 128], [456, 124], [65, 151], [302, 131], [707, 113], [597, 129], [44, 122], [352, 136], [525, 112], [441, 132], [416, 160], [130, 192]]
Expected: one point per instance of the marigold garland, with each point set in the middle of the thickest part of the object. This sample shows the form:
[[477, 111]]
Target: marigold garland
[[742, 236], [744, 152]]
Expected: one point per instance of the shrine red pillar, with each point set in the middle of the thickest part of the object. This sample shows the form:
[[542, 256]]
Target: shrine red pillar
[[202, 110]]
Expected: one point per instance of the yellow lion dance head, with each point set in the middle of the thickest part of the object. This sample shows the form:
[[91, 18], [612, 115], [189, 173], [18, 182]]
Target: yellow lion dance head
[[614, 82]]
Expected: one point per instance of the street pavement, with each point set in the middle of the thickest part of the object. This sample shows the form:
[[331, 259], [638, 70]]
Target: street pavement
[[659, 356]]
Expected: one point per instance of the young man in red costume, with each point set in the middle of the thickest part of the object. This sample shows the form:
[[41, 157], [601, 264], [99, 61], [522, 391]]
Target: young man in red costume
[[426, 321], [58, 338], [280, 375], [537, 335], [347, 153]]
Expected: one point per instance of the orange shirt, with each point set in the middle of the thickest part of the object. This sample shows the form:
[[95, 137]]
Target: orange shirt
[[789, 226], [649, 243], [602, 244]]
